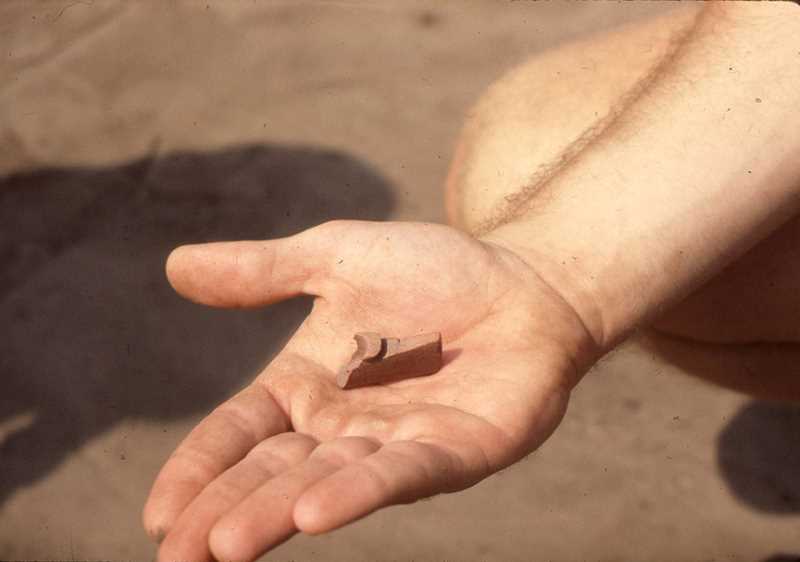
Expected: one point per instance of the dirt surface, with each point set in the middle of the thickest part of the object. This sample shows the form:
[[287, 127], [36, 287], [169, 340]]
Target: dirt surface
[[129, 127]]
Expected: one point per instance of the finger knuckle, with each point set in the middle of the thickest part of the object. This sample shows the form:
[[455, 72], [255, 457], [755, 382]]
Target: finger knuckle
[[283, 450], [345, 449]]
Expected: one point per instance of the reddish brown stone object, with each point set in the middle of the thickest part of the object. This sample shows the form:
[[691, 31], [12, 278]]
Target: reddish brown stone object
[[380, 360]]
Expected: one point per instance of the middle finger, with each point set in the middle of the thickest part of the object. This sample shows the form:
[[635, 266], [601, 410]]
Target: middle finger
[[188, 540], [265, 518]]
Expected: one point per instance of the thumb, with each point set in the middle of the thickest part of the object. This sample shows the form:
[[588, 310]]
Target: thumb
[[247, 273]]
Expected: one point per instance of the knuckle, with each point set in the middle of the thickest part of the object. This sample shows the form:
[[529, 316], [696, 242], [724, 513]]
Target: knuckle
[[283, 450], [345, 449]]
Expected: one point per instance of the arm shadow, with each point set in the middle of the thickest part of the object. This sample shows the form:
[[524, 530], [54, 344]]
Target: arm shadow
[[92, 332]]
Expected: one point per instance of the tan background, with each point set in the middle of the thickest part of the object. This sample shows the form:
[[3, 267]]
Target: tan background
[[129, 127]]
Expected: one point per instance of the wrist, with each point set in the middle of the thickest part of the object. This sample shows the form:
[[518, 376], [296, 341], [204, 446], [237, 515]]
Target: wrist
[[569, 315]]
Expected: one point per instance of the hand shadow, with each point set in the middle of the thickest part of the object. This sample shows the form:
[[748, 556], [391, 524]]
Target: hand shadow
[[92, 334], [757, 451], [759, 458]]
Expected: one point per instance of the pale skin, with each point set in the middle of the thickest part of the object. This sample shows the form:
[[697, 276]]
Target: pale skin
[[604, 236]]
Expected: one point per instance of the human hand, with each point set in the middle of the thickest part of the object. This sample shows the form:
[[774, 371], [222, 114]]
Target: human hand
[[293, 452]]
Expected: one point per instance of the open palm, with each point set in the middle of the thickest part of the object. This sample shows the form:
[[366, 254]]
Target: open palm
[[294, 452]]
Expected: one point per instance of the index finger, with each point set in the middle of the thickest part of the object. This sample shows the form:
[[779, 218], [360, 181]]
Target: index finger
[[218, 442]]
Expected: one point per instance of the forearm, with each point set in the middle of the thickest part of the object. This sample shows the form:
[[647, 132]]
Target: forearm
[[698, 168]]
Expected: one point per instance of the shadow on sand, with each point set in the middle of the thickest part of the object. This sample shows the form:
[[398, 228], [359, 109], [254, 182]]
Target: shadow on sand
[[92, 333], [758, 450], [758, 454]]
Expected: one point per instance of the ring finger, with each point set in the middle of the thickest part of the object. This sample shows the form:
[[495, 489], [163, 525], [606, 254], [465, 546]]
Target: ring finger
[[188, 539]]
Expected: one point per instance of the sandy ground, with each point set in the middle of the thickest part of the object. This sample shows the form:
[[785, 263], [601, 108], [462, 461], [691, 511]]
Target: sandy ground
[[129, 127]]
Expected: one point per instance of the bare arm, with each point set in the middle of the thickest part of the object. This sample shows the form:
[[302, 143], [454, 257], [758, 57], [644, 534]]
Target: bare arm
[[695, 170]]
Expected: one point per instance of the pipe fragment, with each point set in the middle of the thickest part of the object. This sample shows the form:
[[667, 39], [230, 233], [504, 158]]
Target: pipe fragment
[[380, 360]]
